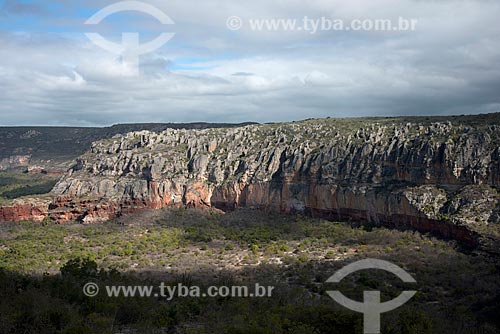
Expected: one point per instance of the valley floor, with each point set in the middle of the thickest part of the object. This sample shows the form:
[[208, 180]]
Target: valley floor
[[44, 267]]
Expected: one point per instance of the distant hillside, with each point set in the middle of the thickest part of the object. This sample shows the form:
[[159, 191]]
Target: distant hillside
[[22, 145]]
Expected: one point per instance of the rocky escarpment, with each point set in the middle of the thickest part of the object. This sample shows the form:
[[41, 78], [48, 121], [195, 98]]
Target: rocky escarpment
[[437, 175], [52, 148], [27, 209]]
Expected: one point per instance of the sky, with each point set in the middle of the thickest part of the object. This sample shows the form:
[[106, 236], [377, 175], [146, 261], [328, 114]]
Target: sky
[[51, 73]]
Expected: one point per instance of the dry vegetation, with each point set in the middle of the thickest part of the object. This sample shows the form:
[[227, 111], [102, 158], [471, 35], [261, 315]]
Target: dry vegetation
[[458, 292]]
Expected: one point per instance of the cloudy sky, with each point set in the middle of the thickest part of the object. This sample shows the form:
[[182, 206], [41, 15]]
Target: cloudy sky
[[52, 74]]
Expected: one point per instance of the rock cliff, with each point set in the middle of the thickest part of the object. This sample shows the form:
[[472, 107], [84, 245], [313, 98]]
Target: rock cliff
[[435, 174]]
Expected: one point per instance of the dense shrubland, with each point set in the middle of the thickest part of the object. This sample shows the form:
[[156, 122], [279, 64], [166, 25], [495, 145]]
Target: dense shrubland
[[43, 270]]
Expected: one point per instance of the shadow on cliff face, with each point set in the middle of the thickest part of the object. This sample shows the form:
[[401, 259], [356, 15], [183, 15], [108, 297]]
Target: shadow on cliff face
[[457, 293]]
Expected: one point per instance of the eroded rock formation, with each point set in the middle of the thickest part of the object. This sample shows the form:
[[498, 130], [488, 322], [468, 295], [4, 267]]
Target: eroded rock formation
[[436, 175]]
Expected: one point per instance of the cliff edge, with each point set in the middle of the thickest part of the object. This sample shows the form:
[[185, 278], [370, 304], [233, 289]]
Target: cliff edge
[[438, 174]]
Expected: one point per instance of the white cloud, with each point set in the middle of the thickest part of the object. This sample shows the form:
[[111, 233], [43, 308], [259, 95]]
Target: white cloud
[[207, 73]]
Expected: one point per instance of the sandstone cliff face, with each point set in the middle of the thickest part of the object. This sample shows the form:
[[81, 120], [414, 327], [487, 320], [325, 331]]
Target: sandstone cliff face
[[434, 175], [28, 209]]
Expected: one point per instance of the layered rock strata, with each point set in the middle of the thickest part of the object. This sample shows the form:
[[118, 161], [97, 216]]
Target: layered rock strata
[[438, 175]]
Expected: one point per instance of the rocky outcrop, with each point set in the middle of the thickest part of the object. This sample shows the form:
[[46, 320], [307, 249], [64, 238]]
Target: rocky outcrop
[[436, 175], [28, 209], [14, 161]]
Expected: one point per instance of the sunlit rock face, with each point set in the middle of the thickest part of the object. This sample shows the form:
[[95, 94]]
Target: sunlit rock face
[[438, 174]]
